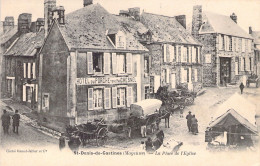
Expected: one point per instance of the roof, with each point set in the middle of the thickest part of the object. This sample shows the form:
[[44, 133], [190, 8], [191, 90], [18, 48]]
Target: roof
[[132, 26], [167, 29], [147, 107], [87, 28], [240, 108], [256, 36], [27, 43], [8, 34], [222, 24]]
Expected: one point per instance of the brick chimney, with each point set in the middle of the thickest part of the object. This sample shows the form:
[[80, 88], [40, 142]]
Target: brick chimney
[[48, 5], [58, 14], [8, 23], [182, 20], [250, 30], [196, 20], [24, 22], [87, 2], [233, 16], [134, 12]]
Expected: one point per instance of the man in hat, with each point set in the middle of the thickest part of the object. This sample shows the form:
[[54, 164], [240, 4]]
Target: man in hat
[[16, 121], [62, 142], [143, 126], [5, 122], [189, 117]]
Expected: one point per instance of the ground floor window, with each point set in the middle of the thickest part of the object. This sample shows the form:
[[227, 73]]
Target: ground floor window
[[195, 75], [29, 94], [121, 96], [98, 98], [146, 92]]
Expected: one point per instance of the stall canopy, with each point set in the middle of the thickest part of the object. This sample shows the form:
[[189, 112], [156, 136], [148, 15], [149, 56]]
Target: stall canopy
[[145, 107], [236, 110]]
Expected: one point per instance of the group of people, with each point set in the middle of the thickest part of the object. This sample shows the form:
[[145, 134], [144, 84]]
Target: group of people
[[192, 123], [6, 121]]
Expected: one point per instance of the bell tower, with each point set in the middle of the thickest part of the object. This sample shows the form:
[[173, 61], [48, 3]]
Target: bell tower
[[48, 6]]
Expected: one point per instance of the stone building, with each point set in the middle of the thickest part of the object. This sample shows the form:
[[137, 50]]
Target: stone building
[[256, 36], [228, 55], [174, 55], [90, 67]]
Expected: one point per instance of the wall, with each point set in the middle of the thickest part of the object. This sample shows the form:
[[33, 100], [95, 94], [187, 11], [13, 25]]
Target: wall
[[54, 72]]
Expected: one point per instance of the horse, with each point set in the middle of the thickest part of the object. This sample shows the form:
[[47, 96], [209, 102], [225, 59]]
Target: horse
[[166, 116]]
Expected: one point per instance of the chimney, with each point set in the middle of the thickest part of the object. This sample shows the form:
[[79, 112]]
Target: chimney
[[233, 16], [24, 22], [87, 2], [58, 14], [134, 12], [250, 30], [39, 24], [48, 5], [182, 20], [33, 27], [196, 20], [8, 23]]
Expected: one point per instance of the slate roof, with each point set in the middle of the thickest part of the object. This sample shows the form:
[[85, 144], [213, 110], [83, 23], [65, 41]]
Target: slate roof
[[4, 37], [167, 29], [26, 44], [256, 36], [222, 24], [87, 28]]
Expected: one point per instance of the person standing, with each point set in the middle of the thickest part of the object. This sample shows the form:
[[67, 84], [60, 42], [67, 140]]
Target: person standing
[[189, 117], [194, 125], [241, 86], [143, 126], [16, 120], [5, 122], [62, 141]]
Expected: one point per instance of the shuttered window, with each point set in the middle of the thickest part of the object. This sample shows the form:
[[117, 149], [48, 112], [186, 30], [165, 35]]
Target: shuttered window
[[121, 97], [114, 97], [171, 53], [90, 62], [107, 63], [129, 96], [98, 98], [114, 62], [90, 98], [184, 54], [129, 61], [107, 96]]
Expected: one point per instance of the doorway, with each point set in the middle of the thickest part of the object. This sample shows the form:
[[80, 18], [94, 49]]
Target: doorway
[[225, 70]]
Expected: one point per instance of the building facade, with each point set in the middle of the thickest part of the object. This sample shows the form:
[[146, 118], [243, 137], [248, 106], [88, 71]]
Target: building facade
[[256, 36], [228, 56], [174, 55], [90, 67]]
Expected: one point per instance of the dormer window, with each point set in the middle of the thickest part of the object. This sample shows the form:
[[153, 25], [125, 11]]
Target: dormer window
[[118, 39]]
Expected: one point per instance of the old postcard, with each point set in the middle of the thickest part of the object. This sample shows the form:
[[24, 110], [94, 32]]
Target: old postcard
[[127, 82]]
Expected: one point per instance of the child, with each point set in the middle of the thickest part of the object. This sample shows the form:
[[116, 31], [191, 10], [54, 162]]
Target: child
[[142, 145]]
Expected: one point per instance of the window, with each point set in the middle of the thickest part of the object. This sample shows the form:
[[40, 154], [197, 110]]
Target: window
[[45, 101], [197, 55], [98, 98], [250, 64], [151, 84], [175, 53], [243, 45], [230, 43], [222, 42], [146, 65], [164, 75], [195, 75], [121, 97], [237, 44], [244, 59], [28, 94], [146, 92], [121, 63], [97, 62], [184, 75], [185, 54]]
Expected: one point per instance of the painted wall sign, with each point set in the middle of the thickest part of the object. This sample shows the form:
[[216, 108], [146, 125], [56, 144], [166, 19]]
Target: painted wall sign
[[105, 80]]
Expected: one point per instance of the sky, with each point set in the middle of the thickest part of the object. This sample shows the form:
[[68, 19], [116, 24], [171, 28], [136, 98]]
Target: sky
[[247, 11]]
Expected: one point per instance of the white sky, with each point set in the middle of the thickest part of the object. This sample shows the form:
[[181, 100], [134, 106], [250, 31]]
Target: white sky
[[248, 11]]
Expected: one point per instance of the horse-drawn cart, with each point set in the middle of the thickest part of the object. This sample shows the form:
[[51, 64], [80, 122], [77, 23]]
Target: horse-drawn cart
[[83, 133], [252, 79]]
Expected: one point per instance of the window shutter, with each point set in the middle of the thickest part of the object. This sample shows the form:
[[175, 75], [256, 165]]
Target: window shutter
[[90, 62], [164, 53], [36, 92], [182, 54], [177, 53], [90, 98], [114, 97], [129, 63], [233, 44], [24, 93], [24, 70], [33, 68], [167, 76], [107, 63], [237, 44], [198, 54], [171, 52], [193, 54], [220, 42], [114, 62], [29, 70], [107, 97], [190, 56], [129, 96]]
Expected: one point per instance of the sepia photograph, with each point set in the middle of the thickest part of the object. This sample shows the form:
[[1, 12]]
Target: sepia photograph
[[130, 82]]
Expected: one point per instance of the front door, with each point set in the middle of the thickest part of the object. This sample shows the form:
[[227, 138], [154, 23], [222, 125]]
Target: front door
[[225, 70]]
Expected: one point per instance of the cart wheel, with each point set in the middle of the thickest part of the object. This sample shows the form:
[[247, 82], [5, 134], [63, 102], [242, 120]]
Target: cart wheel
[[102, 136]]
